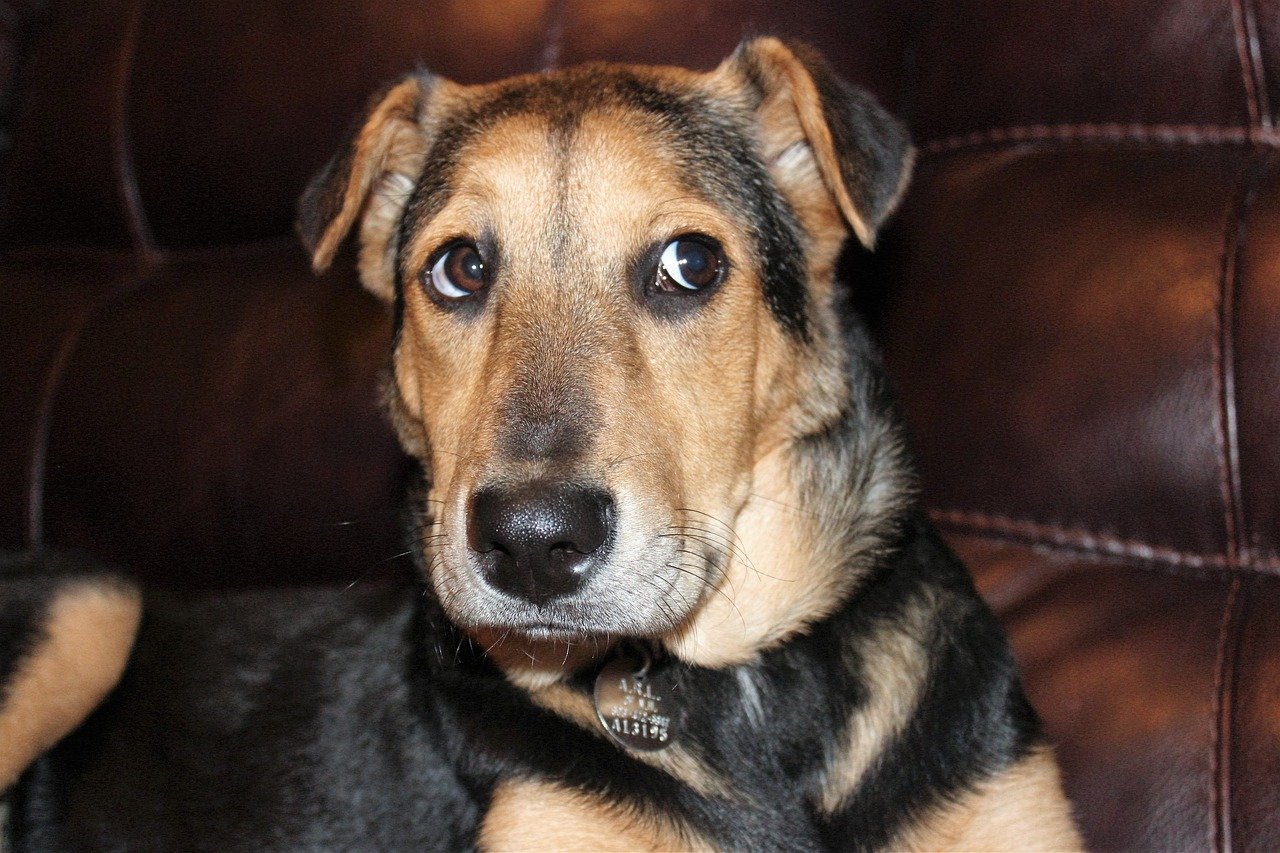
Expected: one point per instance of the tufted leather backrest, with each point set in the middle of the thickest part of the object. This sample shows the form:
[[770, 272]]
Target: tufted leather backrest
[[1168, 69], [185, 124], [1084, 320], [1079, 302]]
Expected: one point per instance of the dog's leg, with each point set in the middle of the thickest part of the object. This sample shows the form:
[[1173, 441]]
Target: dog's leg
[[65, 637], [528, 815], [1022, 808]]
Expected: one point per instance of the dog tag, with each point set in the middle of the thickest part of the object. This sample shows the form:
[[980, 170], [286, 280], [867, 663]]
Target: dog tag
[[635, 702]]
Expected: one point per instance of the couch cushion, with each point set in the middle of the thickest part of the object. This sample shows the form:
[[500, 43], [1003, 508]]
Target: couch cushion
[[1080, 352], [186, 124], [45, 301], [218, 425], [1159, 685]]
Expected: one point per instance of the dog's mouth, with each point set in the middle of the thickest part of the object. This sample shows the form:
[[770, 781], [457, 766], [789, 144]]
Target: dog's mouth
[[646, 584]]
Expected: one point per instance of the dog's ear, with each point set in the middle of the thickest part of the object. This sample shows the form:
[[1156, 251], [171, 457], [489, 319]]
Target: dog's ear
[[815, 126], [373, 174]]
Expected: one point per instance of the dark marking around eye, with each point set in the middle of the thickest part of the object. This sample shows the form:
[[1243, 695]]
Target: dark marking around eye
[[710, 140]]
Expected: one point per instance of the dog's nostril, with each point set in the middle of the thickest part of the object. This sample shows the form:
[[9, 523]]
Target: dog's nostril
[[539, 540]]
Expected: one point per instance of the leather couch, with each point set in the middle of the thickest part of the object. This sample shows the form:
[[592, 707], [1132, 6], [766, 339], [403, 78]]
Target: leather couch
[[1079, 301]]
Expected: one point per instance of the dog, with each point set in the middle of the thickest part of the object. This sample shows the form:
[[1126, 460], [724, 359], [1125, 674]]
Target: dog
[[678, 591]]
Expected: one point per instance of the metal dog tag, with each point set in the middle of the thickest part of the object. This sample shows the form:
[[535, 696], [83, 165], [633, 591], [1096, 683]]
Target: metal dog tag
[[635, 702]]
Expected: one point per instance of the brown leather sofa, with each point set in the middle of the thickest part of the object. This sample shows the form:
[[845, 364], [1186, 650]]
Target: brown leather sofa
[[1080, 302]]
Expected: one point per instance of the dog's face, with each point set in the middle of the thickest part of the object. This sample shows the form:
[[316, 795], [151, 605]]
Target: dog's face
[[611, 289]]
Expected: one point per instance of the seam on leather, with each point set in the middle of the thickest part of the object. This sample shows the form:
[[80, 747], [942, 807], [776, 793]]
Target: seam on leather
[[1084, 541], [38, 464], [1170, 135], [122, 148], [1066, 564], [1249, 52], [553, 35], [1225, 430], [1224, 677]]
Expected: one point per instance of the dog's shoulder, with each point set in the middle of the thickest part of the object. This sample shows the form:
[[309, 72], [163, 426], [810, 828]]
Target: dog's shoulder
[[944, 736]]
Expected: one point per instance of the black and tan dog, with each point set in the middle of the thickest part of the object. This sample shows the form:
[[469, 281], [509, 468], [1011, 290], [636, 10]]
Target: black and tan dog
[[679, 592]]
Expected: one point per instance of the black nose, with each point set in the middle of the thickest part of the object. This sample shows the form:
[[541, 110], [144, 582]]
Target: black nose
[[539, 541]]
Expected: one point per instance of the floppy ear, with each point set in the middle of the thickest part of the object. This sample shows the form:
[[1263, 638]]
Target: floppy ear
[[373, 174], [814, 125]]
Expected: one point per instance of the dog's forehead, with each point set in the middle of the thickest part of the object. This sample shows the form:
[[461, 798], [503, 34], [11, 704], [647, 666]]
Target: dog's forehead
[[529, 175], [564, 125], [631, 123]]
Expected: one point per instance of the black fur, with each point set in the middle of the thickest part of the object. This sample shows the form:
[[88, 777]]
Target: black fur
[[23, 608], [361, 718], [281, 720], [972, 722]]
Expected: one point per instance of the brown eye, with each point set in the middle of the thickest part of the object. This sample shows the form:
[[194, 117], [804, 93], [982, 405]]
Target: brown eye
[[459, 273], [688, 263]]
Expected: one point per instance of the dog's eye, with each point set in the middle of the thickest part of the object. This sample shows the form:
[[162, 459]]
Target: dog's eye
[[459, 273], [688, 263]]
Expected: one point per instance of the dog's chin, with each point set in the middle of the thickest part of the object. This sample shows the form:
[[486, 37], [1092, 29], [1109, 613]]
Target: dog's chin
[[474, 606], [579, 624], [551, 633]]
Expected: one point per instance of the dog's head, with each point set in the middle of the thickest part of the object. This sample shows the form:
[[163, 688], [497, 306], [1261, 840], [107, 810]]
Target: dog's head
[[612, 291]]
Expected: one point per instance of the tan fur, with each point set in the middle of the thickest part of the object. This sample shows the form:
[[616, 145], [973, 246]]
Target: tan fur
[[388, 151], [774, 583], [792, 562], [805, 178], [1023, 808], [526, 815], [895, 666], [535, 666], [783, 572], [88, 635]]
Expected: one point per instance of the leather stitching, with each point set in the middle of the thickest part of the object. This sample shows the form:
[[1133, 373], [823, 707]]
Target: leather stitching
[[1249, 50], [1171, 135], [1085, 541], [1224, 425], [1226, 430], [553, 36], [1224, 676], [122, 148], [1245, 58]]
